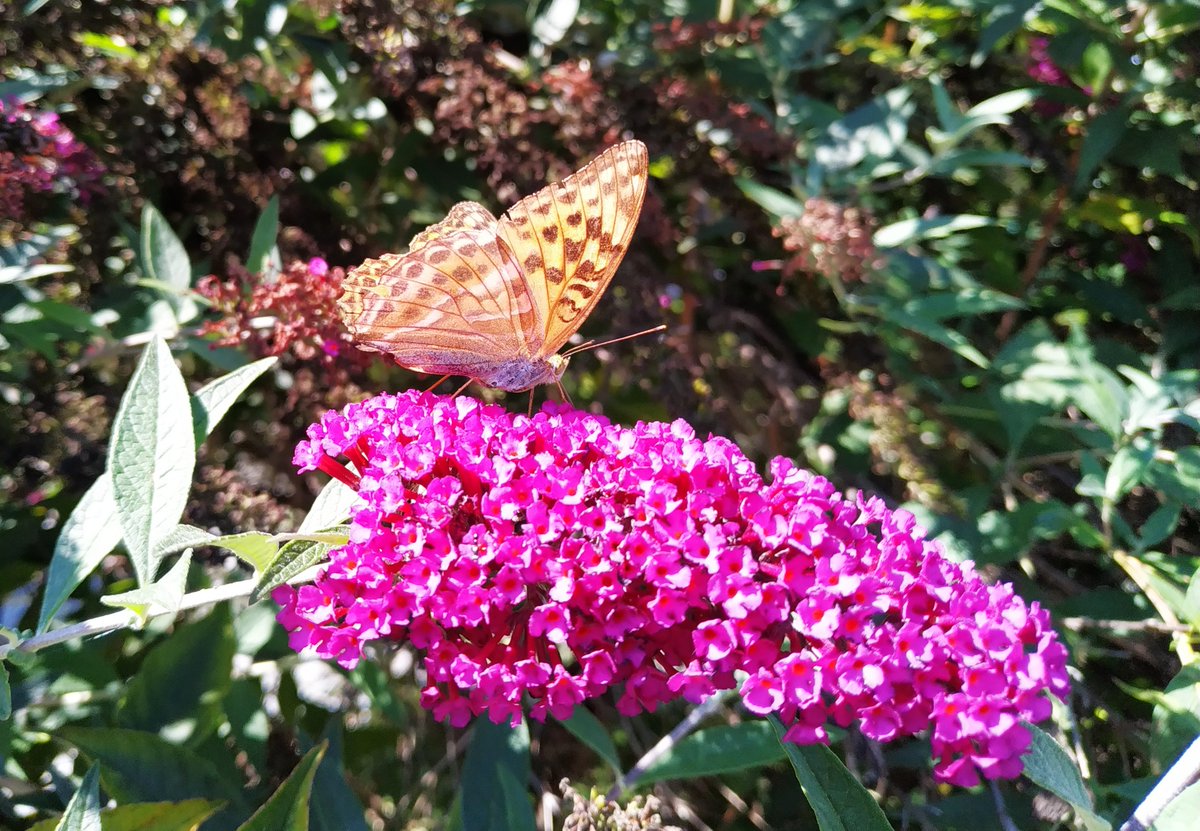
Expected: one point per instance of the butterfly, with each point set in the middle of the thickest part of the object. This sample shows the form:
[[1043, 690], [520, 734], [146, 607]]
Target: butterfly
[[495, 299]]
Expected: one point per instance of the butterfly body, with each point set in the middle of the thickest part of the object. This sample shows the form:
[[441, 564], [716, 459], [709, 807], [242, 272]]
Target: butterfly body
[[495, 299]]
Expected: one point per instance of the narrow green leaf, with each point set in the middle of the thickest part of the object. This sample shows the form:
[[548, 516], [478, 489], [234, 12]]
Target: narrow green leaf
[[1003, 104], [1125, 471], [588, 729], [187, 815], [331, 507], [293, 558], [181, 682], [83, 811], [254, 547], [1048, 766], [141, 767], [335, 807], [1158, 526], [213, 400], [839, 801], [287, 808], [1102, 137], [717, 750], [88, 535], [5, 693], [1180, 814], [965, 303], [908, 231], [92, 531], [165, 261], [775, 202], [151, 456], [492, 792], [183, 536], [949, 338], [162, 597], [266, 231]]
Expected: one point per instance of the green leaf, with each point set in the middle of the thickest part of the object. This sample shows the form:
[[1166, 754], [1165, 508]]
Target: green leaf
[[151, 456], [88, 535], [165, 262], [1181, 812], [335, 807], [775, 202], [1176, 718], [92, 531], [966, 303], [1125, 471], [164, 597], [331, 507], [287, 808], [254, 547], [83, 811], [213, 400], [186, 815], [838, 800], [1103, 135], [293, 559], [5, 693], [908, 231], [1095, 66], [951, 339], [553, 23], [1047, 765], [717, 750], [1158, 526], [141, 767], [181, 682], [18, 273], [184, 536], [266, 231], [497, 765], [588, 729]]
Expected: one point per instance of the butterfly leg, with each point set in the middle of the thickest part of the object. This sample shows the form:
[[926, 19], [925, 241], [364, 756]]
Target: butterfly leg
[[463, 387], [563, 393], [437, 383], [531, 402]]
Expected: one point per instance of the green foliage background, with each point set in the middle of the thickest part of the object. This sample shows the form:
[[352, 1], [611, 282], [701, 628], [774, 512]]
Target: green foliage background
[[944, 252]]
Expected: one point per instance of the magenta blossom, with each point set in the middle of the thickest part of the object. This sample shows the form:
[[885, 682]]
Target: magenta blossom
[[551, 559]]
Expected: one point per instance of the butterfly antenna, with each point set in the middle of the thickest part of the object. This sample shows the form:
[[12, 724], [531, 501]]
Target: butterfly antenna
[[463, 387], [438, 383], [593, 345]]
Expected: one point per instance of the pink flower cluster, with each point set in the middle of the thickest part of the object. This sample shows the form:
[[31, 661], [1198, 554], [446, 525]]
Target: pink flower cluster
[[556, 557], [39, 155]]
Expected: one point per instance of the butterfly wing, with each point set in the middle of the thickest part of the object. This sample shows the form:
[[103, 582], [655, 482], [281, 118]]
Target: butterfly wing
[[570, 237], [455, 304], [465, 216]]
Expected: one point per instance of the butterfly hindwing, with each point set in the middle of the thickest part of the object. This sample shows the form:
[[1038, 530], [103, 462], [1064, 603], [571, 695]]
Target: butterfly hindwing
[[454, 304], [570, 237]]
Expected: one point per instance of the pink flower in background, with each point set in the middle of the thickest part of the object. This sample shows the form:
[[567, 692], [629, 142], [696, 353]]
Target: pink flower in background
[[554, 558], [40, 155]]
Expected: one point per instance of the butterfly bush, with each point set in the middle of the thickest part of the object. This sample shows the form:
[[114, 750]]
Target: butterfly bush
[[554, 558]]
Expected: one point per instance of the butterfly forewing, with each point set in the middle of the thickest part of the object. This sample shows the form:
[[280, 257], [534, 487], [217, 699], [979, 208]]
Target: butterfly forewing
[[570, 237], [454, 304], [495, 299]]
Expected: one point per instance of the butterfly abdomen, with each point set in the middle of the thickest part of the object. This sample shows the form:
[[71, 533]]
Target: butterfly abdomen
[[520, 374]]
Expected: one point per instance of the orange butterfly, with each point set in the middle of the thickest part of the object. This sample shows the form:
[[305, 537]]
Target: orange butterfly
[[495, 299]]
